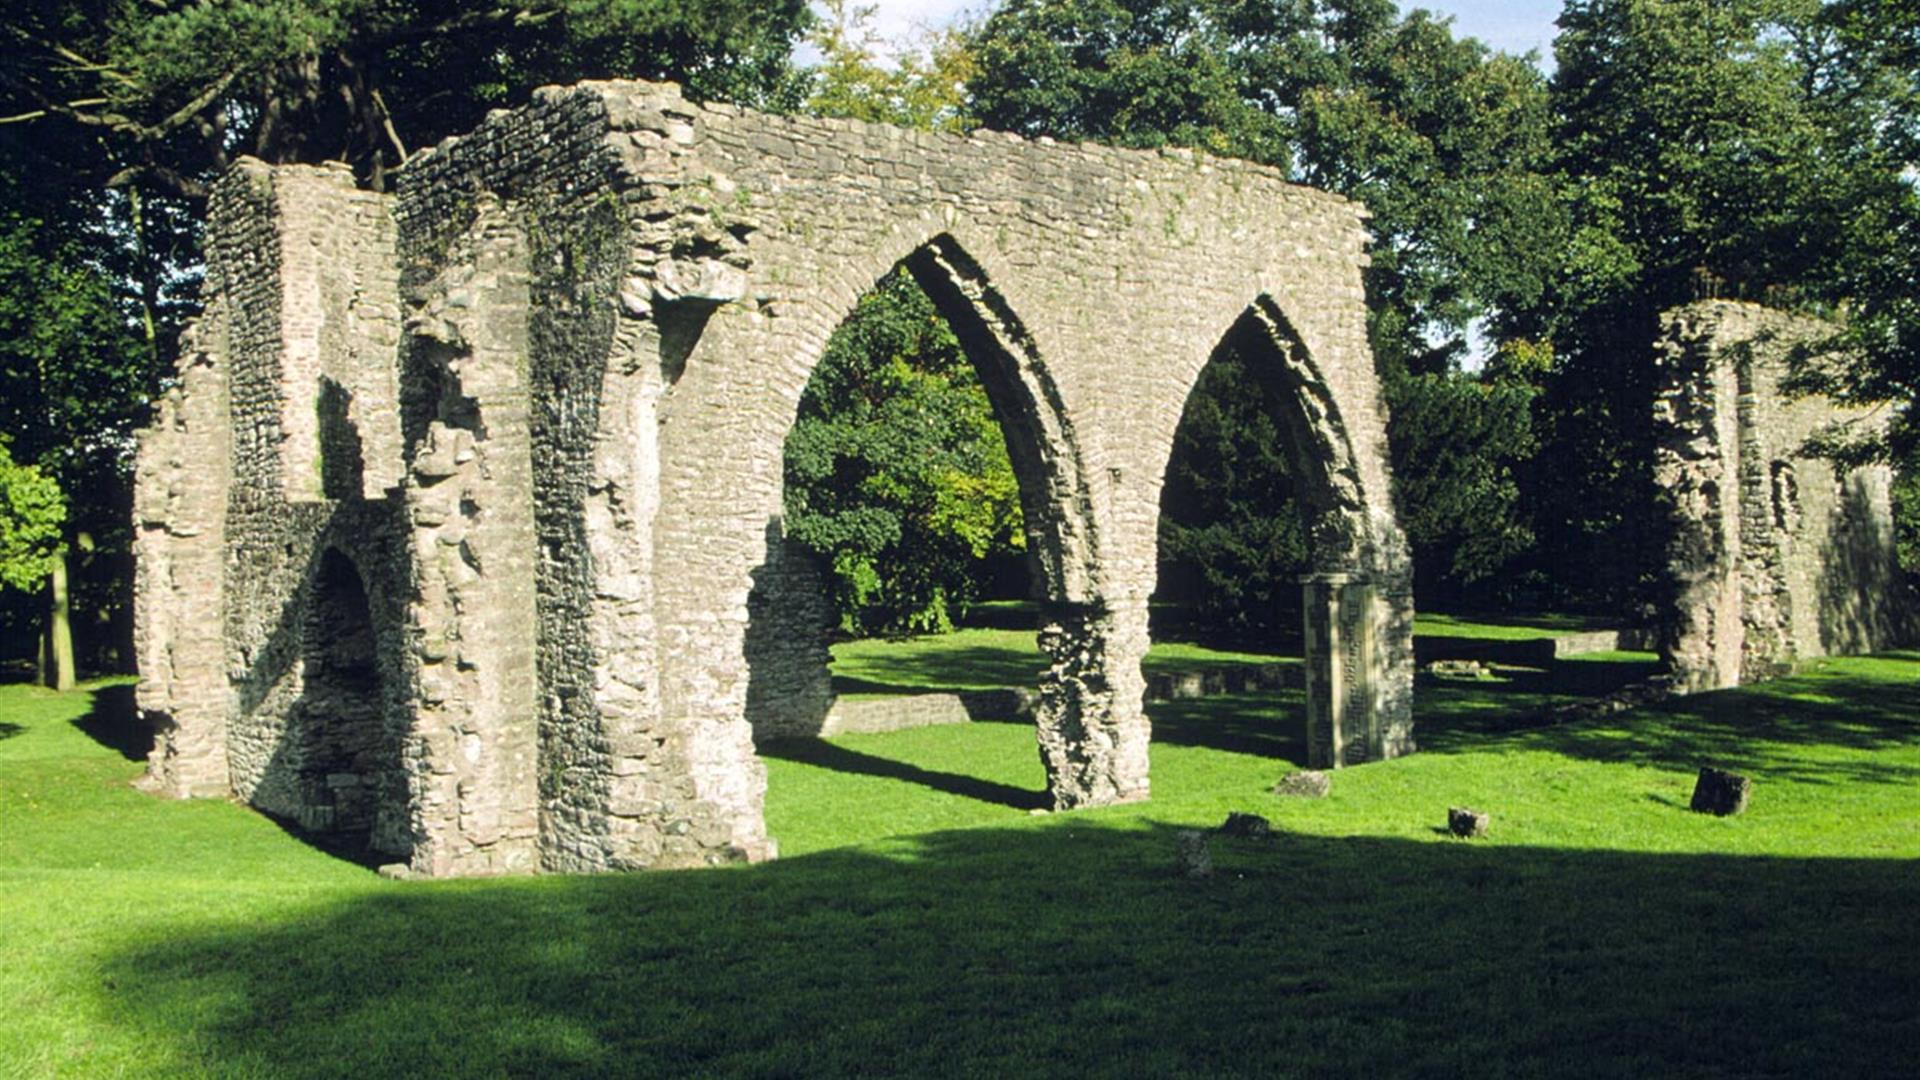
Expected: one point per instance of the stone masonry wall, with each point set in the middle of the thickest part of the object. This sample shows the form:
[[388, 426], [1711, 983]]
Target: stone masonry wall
[[521, 423], [1776, 555], [258, 468], [1094, 284]]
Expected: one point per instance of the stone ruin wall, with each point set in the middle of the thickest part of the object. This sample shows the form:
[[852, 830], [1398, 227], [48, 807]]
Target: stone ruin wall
[[1777, 555], [532, 408], [279, 445], [1103, 281]]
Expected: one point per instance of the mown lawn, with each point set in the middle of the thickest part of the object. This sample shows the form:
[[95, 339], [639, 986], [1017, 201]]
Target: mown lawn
[[923, 921]]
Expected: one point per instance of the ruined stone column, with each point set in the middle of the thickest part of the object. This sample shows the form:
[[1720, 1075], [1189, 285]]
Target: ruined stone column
[[469, 498], [1344, 679], [1092, 728]]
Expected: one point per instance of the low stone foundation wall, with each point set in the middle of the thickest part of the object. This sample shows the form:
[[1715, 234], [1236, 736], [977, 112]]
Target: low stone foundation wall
[[1533, 652], [1239, 679], [850, 716]]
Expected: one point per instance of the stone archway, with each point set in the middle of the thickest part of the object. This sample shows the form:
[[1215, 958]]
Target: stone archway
[[1357, 605], [1089, 757], [345, 754]]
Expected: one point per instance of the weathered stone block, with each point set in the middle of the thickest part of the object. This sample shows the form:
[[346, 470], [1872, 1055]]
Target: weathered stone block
[[1193, 853], [1467, 823], [1252, 826], [1775, 555], [1305, 784], [1717, 791]]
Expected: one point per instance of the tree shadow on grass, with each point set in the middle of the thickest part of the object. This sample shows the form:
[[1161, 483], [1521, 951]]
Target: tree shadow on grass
[[1058, 948], [1263, 723], [113, 720], [1775, 729], [828, 755], [8, 731]]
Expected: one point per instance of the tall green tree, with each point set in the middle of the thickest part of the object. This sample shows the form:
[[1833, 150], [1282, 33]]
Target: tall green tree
[[1230, 553], [1444, 140], [117, 115], [170, 90], [33, 556], [76, 372], [1706, 148], [1865, 65], [924, 85], [897, 475]]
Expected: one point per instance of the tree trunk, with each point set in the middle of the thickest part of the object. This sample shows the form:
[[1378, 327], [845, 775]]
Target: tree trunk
[[60, 628]]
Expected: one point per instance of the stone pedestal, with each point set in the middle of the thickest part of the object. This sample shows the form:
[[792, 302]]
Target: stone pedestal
[[1343, 671]]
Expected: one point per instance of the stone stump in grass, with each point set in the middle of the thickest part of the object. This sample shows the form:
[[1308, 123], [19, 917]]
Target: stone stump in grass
[[1305, 784], [1196, 859], [1720, 792], [1467, 823], [1249, 825]]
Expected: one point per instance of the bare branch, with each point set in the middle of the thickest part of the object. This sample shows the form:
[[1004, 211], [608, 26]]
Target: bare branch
[[173, 181], [386, 123]]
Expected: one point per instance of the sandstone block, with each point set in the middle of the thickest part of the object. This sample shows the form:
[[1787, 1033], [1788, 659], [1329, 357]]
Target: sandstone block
[[1305, 784]]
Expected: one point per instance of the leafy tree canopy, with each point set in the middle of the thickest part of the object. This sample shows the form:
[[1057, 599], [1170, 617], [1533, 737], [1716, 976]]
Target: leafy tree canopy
[[896, 472], [1733, 148], [924, 87], [1445, 141], [169, 91], [32, 513]]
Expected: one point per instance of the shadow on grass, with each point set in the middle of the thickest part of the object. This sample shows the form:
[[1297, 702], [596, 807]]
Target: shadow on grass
[[1771, 730], [1265, 723], [8, 731], [113, 721], [949, 668], [827, 755], [1064, 948], [850, 684]]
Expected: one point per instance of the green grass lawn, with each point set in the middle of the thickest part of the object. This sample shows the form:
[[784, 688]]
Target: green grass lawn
[[923, 921]]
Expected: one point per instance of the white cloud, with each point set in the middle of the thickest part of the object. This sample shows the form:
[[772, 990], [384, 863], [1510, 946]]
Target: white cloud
[[897, 19]]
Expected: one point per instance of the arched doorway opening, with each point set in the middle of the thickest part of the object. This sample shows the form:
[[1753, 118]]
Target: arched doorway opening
[[350, 781], [1330, 581], [1073, 703]]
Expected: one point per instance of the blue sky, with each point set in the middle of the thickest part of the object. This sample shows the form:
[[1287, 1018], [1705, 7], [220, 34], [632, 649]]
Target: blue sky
[[1513, 25]]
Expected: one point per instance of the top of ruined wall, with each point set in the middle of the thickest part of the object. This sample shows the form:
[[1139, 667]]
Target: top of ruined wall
[[304, 265]]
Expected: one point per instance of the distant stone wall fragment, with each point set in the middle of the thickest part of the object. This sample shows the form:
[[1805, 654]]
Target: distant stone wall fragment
[[1776, 555]]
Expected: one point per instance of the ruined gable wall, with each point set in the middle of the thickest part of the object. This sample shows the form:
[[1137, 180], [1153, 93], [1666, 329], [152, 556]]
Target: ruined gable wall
[[180, 554], [612, 301], [1776, 555], [614, 787], [304, 266]]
